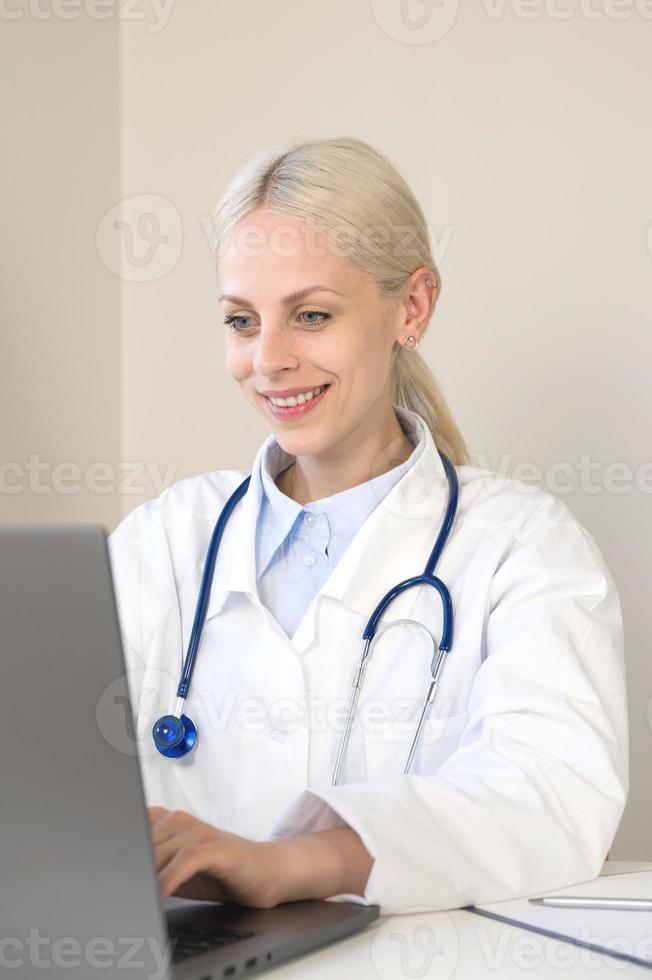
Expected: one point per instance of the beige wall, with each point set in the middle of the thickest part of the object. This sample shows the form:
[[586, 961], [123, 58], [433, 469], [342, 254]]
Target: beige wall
[[528, 142], [60, 401]]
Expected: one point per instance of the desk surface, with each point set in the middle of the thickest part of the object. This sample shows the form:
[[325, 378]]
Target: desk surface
[[454, 944]]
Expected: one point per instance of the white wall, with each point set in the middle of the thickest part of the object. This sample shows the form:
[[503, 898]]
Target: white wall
[[527, 140]]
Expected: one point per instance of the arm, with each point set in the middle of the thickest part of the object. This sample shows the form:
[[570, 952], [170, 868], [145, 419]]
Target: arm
[[532, 797], [322, 864]]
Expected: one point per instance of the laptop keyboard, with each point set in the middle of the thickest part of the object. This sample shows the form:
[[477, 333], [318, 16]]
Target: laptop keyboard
[[190, 941]]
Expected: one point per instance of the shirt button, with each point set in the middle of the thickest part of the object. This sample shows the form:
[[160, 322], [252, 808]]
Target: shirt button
[[308, 559], [277, 732], [310, 519]]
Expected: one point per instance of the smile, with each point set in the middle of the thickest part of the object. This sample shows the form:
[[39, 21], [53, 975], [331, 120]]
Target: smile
[[296, 406]]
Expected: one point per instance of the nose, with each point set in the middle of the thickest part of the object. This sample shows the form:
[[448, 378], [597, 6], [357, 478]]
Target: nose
[[274, 350]]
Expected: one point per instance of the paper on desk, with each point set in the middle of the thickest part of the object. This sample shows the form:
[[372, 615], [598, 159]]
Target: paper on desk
[[624, 934]]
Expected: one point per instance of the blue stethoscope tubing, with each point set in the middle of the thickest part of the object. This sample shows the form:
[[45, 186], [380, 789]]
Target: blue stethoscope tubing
[[175, 735]]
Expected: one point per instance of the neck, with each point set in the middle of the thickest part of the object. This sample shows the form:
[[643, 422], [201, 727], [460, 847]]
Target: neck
[[370, 450]]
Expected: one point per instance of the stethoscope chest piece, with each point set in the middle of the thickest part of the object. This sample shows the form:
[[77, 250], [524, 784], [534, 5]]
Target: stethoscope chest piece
[[174, 737]]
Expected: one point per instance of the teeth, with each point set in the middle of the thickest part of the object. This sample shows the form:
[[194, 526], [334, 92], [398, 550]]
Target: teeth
[[293, 400]]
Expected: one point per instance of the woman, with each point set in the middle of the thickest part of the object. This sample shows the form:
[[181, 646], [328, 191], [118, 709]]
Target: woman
[[520, 776]]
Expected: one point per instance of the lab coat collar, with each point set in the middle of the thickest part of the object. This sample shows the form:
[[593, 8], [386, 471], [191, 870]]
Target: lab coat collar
[[282, 512], [392, 544]]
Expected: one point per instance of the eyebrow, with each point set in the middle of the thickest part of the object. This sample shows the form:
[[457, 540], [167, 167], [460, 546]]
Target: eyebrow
[[291, 298]]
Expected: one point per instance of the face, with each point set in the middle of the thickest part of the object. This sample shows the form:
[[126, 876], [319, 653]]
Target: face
[[338, 338]]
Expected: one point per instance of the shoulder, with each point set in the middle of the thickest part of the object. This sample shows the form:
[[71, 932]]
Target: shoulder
[[493, 501], [193, 498], [539, 546]]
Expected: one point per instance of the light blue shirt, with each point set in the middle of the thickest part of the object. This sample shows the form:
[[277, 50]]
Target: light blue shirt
[[297, 547]]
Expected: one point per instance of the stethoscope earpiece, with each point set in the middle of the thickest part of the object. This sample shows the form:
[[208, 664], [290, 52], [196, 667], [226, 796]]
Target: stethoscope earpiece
[[174, 737]]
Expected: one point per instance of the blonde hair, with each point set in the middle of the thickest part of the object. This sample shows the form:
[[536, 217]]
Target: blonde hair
[[345, 187]]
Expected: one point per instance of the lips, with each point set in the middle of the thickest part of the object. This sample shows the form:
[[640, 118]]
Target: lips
[[297, 411], [292, 392]]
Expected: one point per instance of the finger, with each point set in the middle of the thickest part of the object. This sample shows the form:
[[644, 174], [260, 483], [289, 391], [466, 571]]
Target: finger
[[156, 812], [202, 887], [170, 823], [165, 850], [186, 862]]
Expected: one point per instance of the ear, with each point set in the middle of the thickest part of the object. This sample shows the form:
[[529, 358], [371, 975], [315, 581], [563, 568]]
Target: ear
[[417, 304]]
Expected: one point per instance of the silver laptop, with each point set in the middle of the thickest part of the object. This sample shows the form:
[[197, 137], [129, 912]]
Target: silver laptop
[[79, 891]]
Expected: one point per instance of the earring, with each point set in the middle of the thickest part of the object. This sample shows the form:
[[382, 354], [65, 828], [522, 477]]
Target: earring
[[430, 283]]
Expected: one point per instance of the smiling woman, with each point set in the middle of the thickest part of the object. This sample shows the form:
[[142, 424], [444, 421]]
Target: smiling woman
[[335, 219], [325, 759]]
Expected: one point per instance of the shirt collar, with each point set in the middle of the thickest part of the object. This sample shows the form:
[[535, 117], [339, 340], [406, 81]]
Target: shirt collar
[[420, 495], [347, 508]]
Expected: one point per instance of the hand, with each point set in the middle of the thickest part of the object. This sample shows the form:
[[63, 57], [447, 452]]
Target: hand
[[196, 860]]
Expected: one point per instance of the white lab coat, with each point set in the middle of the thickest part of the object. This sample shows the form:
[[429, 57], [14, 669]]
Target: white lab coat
[[522, 772]]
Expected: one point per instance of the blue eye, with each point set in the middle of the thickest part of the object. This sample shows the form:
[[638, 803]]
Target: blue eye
[[326, 316], [231, 321]]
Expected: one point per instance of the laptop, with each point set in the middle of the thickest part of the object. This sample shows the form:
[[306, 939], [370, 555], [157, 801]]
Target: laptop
[[79, 894]]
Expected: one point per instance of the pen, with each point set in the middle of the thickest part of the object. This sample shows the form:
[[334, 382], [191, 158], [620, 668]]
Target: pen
[[589, 902]]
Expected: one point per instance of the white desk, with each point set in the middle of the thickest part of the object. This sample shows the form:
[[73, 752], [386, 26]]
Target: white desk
[[455, 944]]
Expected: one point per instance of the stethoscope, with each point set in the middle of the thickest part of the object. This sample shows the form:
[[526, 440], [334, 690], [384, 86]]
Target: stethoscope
[[175, 735]]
